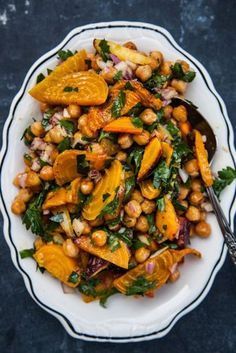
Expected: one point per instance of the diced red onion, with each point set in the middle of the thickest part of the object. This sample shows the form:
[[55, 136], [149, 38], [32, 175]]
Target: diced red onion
[[36, 165], [38, 144], [114, 59], [165, 102], [183, 175], [22, 180], [46, 212], [167, 93], [128, 74], [95, 175], [66, 113], [149, 267], [66, 289], [207, 206]]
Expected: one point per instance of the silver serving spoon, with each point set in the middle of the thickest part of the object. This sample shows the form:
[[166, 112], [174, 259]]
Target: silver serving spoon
[[200, 123]]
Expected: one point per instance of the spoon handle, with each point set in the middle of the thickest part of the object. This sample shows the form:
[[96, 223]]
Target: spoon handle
[[229, 236]]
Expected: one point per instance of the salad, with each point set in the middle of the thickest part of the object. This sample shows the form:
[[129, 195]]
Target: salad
[[114, 181]]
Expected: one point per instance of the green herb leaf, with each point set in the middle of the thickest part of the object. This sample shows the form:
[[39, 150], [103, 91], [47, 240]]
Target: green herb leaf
[[106, 295], [117, 76], [27, 253], [161, 175], [173, 130], [49, 71], [58, 218], [140, 286], [65, 54], [70, 89], [178, 73], [28, 157], [74, 277], [118, 104], [129, 86], [105, 49], [137, 122], [68, 125], [83, 200], [136, 110], [33, 217], [110, 208], [137, 244], [151, 222], [135, 157], [178, 205], [64, 144], [125, 234], [107, 135], [40, 78], [156, 81], [46, 118], [129, 186], [82, 164], [160, 204], [113, 242], [225, 177], [105, 196], [88, 287]]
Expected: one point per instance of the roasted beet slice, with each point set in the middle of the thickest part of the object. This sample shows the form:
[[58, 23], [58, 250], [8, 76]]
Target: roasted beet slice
[[95, 265], [183, 238]]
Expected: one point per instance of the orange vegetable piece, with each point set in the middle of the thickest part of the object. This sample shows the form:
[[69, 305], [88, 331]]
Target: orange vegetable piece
[[73, 191], [55, 198], [161, 264], [185, 128], [123, 125], [147, 189], [65, 166], [119, 257], [97, 161], [167, 152], [131, 99], [54, 260], [108, 184], [151, 156], [82, 88], [167, 220], [201, 154], [73, 64]]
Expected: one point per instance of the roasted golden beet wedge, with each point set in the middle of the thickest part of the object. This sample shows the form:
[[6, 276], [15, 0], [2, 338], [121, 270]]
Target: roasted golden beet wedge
[[167, 220], [151, 155], [156, 270]]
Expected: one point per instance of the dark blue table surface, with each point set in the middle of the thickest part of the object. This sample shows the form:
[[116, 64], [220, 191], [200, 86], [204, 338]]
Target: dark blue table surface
[[30, 28]]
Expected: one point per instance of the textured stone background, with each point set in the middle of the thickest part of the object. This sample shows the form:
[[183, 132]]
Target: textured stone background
[[29, 28]]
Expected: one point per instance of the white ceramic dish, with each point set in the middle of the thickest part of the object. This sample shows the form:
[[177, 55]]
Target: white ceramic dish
[[125, 319]]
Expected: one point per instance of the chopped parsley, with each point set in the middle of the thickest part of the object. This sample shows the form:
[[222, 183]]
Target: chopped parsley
[[105, 196], [68, 125], [129, 86], [27, 253], [140, 286], [156, 81], [82, 164], [65, 54], [111, 207], [151, 223], [135, 157], [160, 202], [113, 242], [74, 277], [46, 118], [137, 122], [33, 217], [162, 174], [107, 135], [118, 104], [40, 78], [64, 144], [88, 287], [118, 76], [178, 72], [225, 177], [104, 49], [129, 186]]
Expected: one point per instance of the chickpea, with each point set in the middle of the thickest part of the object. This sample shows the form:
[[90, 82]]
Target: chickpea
[[70, 249], [203, 229], [196, 185], [191, 167], [121, 156], [193, 214], [133, 209], [99, 237], [82, 121], [18, 206], [136, 195], [184, 64], [86, 186], [97, 148], [143, 73], [43, 107], [37, 129], [25, 195], [180, 113], [96, 222], [148, 206], [32, 179], [142, 224], [108, 75], [183, 192], [17, 179], [46, 173], [143, 138], [38, 242], [142, 254], [129, 222], [130, 45], [168, 109], [74, 111], [179, 85], [157, 55], [174, 276], [166, 68], [56, 134], [196, 197], [203, 215], [125, 141], [148, 116], [78, 226], [87, 228]]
